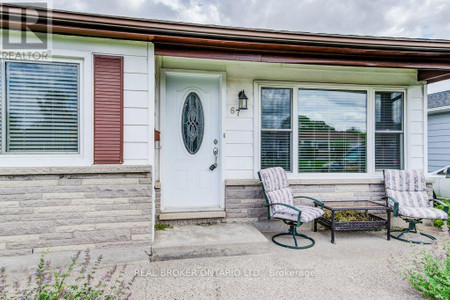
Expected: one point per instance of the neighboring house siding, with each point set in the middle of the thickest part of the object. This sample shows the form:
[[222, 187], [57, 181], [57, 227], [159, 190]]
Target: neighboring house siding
[[438, 141]]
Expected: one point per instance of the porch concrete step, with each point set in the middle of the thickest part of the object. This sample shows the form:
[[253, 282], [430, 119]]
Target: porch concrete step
[[192, 241], [214, 214]]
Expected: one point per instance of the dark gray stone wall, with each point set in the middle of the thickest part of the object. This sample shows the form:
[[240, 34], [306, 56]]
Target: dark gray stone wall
[[74, 208], [246, 202]]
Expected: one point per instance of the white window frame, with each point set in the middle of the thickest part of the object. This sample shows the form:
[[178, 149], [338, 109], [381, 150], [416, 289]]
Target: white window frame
[[290, 130], [402, 131], [85, 123], [370, 127]]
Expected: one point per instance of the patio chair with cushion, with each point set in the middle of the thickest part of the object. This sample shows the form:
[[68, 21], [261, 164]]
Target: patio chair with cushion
[[406, 194], [280, 205]]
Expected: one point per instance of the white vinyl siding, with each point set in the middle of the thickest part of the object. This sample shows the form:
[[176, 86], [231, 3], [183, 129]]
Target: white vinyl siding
[[42, 107], [139, 74], [243, 133], [415, 129], [1, 112]]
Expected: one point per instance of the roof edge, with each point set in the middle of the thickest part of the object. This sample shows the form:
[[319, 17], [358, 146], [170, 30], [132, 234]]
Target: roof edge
[[239, 33]]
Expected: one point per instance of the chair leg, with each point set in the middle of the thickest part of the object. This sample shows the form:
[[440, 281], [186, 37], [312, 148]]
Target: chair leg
[[412, 229], [293, 232]]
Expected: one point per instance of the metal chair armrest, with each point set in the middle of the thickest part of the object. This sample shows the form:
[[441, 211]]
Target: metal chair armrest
[[291, 207], [395, 204], [311, 198], [441, 203]]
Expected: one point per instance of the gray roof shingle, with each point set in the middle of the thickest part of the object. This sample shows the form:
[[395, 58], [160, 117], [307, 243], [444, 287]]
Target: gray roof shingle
[[439, 99]]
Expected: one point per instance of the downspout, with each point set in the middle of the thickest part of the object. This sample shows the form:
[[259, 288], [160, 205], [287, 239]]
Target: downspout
[[151, 71], [425, 126]]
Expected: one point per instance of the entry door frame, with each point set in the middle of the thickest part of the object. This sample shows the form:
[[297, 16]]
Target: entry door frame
[[221, 76]]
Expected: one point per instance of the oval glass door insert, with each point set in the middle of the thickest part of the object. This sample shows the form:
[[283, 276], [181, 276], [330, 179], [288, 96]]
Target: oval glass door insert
[[192, 123]]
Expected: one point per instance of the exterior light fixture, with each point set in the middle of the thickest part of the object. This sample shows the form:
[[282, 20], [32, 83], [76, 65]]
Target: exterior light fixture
[[243, 103]]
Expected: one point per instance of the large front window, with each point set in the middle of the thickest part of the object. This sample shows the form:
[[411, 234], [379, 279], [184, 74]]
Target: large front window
[[40, 107], [309, 130]]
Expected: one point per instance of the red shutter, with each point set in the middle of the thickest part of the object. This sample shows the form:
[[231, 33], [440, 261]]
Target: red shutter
[[108, 109]]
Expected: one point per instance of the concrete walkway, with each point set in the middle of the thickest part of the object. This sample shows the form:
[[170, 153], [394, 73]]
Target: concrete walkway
[[355, 267]]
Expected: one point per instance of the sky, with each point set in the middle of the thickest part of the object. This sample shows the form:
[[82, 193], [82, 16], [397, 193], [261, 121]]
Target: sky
[[399, 18]]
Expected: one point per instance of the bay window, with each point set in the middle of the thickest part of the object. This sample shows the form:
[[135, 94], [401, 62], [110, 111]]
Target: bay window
[[320, 130], [40, 107]]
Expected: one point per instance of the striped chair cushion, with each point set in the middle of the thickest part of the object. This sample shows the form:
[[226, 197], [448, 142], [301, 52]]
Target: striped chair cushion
[[285, 196], [422, 212], [274, 179], [409, 188], [277, 190], [309, 213], [413, 199], [411, 181]]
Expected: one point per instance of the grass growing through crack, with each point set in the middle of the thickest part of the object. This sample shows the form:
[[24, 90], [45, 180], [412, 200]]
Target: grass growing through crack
[[162, 226]]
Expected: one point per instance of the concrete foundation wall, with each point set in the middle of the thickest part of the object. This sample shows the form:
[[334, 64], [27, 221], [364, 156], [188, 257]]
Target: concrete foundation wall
[[74, 208]]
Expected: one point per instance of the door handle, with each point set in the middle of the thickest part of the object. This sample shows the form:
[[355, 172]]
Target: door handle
[[216, 154]]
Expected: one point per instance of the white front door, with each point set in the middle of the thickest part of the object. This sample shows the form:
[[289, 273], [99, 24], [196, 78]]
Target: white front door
[[190, 143]]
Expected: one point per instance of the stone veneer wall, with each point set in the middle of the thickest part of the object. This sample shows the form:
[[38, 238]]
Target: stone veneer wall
[[74, 208], [244, 199]]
